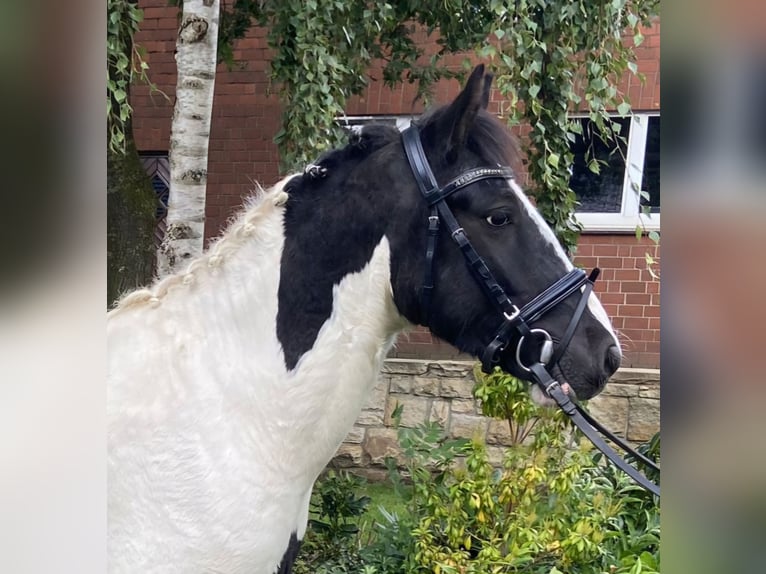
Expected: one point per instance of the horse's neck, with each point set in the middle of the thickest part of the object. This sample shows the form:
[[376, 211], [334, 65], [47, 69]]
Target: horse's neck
[[218, 360]]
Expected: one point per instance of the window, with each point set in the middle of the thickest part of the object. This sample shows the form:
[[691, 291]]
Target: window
[[609, 200], [158, 169], [356, 123]]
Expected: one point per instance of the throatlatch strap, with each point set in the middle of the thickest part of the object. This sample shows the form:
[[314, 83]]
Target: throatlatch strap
[[428, 275]]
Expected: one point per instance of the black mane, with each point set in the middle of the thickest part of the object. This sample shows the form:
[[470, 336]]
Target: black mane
[[360, 145], [488, 138]]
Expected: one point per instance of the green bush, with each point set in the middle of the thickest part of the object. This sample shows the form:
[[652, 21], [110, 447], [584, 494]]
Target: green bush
[[554, 506]]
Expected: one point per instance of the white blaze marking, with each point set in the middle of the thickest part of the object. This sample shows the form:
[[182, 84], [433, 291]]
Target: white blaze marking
[[594, 305]]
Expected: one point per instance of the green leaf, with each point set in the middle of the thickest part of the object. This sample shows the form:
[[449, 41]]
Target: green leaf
[[623, 108], [654, 236], [533, 90]]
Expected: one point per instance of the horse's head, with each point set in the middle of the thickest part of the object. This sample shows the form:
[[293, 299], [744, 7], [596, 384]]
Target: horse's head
[[503, 227]]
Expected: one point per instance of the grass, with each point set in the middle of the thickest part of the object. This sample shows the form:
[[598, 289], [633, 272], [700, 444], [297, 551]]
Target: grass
[[382, 494]]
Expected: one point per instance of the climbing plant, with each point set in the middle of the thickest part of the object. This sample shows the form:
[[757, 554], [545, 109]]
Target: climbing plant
[[131, 202], [125, 64], [550, 56], [555, 57]]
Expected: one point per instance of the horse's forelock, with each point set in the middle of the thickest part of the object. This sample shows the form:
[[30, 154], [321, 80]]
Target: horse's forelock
[[487, 137]]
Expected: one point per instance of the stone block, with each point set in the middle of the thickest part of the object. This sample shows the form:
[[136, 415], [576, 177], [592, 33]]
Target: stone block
[[414, 410], [370, 417], [400, 383], [425, 386], [464, 406], [621, 390], [355, 435], [377, 397], [348, 455], [495, 455], [452, 369], [637, 376], [612, 412], [380, 444], [404, 367], [649, 393], [498, 432], [440, 411], [467, 426], [457, 387], [644, 419]]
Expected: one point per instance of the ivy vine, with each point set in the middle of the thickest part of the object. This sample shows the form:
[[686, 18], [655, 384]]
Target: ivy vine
[[551, 57], [555, 57]]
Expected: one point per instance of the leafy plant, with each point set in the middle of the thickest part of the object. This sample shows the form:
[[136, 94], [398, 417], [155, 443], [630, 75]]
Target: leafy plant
[[125, 63], [550, 58], [330, 544], [552, 505]]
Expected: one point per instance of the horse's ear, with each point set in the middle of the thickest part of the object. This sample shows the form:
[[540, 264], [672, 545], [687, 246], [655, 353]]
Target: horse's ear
[[462, 112]]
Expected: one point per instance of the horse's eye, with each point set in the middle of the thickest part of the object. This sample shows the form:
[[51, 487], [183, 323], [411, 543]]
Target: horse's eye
[[498, 219]]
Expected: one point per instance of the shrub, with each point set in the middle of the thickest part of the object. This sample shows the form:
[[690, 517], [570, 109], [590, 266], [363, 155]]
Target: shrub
[[555, 506]]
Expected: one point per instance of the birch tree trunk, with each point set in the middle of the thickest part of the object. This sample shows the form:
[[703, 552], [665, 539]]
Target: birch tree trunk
[[189, 134]]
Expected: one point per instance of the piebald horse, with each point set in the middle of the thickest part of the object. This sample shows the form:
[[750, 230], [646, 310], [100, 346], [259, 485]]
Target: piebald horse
[[232, 383]]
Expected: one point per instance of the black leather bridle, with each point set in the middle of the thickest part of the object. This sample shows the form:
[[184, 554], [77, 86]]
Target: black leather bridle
[[516, 325]]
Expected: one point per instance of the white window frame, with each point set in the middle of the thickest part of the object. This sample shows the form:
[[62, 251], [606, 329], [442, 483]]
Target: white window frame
[[629, 216], [402, 121]]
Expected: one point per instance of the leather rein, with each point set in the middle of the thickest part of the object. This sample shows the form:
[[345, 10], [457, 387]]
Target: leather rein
[[516, 321]]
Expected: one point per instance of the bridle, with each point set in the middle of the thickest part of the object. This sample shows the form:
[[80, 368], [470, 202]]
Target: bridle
[[517, 322]]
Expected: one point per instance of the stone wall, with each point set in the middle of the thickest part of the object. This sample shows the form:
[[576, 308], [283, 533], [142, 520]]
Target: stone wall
[[441, 391]]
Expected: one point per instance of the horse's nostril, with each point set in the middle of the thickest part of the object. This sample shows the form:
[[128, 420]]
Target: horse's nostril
[[613, 358]]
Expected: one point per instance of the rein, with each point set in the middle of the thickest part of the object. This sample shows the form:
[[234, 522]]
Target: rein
[[516, 321]]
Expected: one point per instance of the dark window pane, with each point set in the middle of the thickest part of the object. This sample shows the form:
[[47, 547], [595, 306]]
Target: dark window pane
[[599, 192], [651, 180]]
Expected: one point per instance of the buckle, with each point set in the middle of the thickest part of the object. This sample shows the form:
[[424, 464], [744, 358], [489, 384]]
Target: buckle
[[516, 312], [553, 385]]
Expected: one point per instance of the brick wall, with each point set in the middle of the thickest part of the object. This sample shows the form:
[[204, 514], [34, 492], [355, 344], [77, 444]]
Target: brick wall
[[246, 117]]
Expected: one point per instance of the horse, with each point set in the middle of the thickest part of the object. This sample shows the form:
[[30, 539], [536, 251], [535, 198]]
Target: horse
[[232, 383]]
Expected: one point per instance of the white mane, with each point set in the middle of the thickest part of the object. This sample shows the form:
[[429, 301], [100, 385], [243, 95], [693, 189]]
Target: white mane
[[242, 228]]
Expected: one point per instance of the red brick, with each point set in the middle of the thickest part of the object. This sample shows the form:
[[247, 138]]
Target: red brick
[[627, 274], [610, 262], [638, 298], [631, 310], [638, 323], [612, 298], [605, 250], [652, 311], [633, 287]]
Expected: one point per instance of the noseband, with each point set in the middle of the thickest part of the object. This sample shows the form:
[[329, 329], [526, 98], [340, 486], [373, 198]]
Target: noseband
[[516, 322]]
